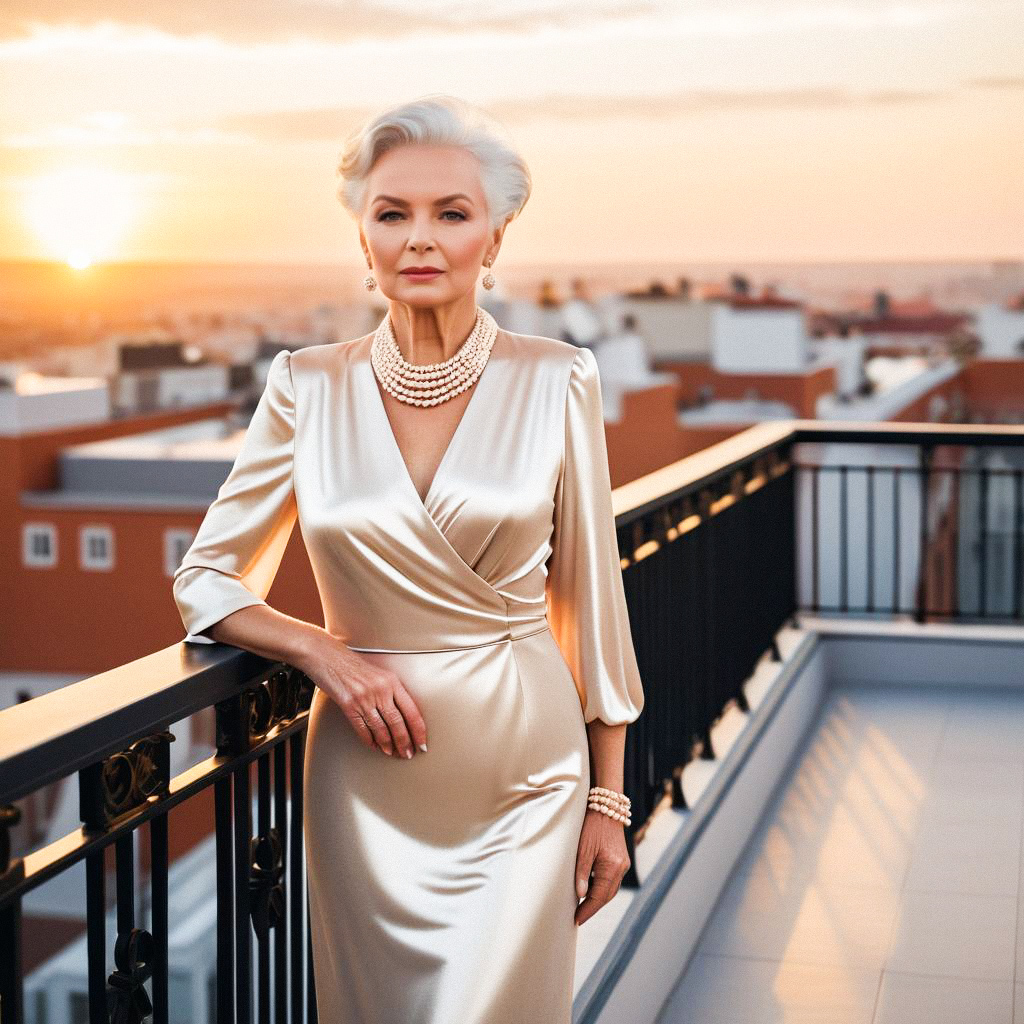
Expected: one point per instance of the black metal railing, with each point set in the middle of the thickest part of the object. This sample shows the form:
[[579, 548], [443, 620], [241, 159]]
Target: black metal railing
[[935, 533], [120, 752], [718, 551]]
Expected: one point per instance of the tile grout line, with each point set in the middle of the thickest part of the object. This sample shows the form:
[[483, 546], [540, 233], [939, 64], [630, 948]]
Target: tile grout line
[[1016, 934], [902, 890]]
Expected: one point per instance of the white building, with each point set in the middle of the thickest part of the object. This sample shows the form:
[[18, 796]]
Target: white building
[[36, 402], [1000, 330]]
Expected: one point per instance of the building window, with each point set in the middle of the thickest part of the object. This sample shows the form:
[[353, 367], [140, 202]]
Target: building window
[[176, 543], [96, 547], [39, 544]]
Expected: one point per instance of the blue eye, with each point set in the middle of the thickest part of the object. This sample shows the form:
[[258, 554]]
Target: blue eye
[[387, 214]]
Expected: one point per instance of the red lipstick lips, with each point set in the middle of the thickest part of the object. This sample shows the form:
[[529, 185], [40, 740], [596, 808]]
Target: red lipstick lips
[[421, 273]]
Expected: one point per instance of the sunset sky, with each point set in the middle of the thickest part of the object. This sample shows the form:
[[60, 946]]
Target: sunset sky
[[770, 130]]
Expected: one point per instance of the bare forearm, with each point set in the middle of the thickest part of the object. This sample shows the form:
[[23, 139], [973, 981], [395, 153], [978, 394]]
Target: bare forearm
[[271, 634], [607, 748]]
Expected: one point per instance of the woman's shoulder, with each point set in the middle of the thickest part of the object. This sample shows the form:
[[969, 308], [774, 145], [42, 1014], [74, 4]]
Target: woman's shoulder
[[328, 354], [552, 351]]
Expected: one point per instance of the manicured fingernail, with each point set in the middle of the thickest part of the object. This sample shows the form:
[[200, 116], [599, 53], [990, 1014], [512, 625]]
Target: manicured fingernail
[[408, 753], [581, 888], [423, 747]]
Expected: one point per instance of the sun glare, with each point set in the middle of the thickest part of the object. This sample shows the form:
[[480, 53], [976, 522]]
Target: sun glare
[[82, 214]]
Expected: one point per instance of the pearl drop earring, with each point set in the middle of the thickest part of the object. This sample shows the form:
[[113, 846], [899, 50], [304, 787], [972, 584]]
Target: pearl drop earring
[[489, 281], [369, 282]]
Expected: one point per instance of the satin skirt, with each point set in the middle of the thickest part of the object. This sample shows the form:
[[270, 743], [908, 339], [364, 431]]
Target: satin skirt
[[441, 886]]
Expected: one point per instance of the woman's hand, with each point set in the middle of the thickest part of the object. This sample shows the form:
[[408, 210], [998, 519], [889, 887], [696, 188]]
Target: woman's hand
[[602, 851], [373, 698]]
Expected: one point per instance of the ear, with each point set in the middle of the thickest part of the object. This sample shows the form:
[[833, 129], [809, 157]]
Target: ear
[[499, 234], [365, 247]]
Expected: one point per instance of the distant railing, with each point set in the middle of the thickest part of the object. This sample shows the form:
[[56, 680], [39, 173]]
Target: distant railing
[[935, 534], [719, 550]]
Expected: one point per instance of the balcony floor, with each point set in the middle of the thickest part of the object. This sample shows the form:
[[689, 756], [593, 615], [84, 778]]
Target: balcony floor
[[883, 884]]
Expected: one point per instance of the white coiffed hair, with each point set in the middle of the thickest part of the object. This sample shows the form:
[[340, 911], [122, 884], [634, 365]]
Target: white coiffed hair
[[438, 119]]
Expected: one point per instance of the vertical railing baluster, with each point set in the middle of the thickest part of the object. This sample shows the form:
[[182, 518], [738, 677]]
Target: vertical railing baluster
[[870, 555], [96, 940], [924, 470], [1018, 528], [159, 864], [709, 525], [223, 824], [12, 996], [281, 929], [844, 596], [263, 936], [814, 538], [983, 553], [124, 857], [243, 931], [297, 888], [954, 569], [896, 540]]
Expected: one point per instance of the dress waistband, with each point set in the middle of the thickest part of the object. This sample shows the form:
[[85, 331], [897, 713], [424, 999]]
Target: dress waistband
[[513, 634]]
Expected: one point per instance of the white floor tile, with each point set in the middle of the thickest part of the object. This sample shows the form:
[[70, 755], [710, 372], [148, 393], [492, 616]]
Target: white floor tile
[[955, 935], [990, 726], [732, 990], [810, 924], [919, 999], [980, 856]]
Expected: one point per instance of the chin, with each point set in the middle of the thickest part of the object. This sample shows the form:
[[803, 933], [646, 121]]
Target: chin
[[426, 294]]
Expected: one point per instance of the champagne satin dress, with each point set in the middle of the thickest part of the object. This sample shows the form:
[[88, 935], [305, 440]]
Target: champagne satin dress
[[442, 886]]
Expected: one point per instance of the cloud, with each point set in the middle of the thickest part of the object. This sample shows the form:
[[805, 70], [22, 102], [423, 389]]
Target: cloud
[[333, 124], [997, 82], [345, 21], [336, 122], [341, 21]]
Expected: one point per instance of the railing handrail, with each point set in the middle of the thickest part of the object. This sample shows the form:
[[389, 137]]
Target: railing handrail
[[692, 472], [55, 734]]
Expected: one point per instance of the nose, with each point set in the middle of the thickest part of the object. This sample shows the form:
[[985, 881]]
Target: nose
[[419, 233]]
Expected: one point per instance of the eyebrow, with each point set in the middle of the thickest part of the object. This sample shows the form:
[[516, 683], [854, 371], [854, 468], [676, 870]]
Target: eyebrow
[[437, 202]]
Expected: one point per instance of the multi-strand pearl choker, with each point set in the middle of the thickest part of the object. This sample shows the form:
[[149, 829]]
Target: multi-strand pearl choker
[[432, 383]]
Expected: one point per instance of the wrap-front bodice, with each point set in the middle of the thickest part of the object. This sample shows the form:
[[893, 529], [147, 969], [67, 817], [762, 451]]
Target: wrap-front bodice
[[515, 533]]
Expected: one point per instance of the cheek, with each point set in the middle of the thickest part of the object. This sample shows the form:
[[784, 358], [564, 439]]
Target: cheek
[[384, 245], [463, 251]]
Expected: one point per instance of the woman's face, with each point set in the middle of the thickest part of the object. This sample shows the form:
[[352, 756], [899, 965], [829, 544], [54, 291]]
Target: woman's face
[[426, 208]]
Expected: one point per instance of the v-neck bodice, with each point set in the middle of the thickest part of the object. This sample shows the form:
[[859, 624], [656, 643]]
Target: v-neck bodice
[[458, 549], [388, 430]]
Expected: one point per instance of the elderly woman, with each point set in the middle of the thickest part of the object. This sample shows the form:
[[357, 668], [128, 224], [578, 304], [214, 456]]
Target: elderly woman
[[475, 673]]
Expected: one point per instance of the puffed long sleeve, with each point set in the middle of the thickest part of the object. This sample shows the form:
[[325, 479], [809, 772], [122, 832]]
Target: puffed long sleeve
[[240, 543], [586, 598]]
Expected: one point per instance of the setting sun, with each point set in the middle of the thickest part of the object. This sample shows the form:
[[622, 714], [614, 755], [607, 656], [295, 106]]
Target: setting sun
[[81, 214]]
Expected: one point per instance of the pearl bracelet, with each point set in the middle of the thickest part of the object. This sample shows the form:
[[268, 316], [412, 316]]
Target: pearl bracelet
[[609, 796], [624, 818], [608, 792], [609, 802]]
